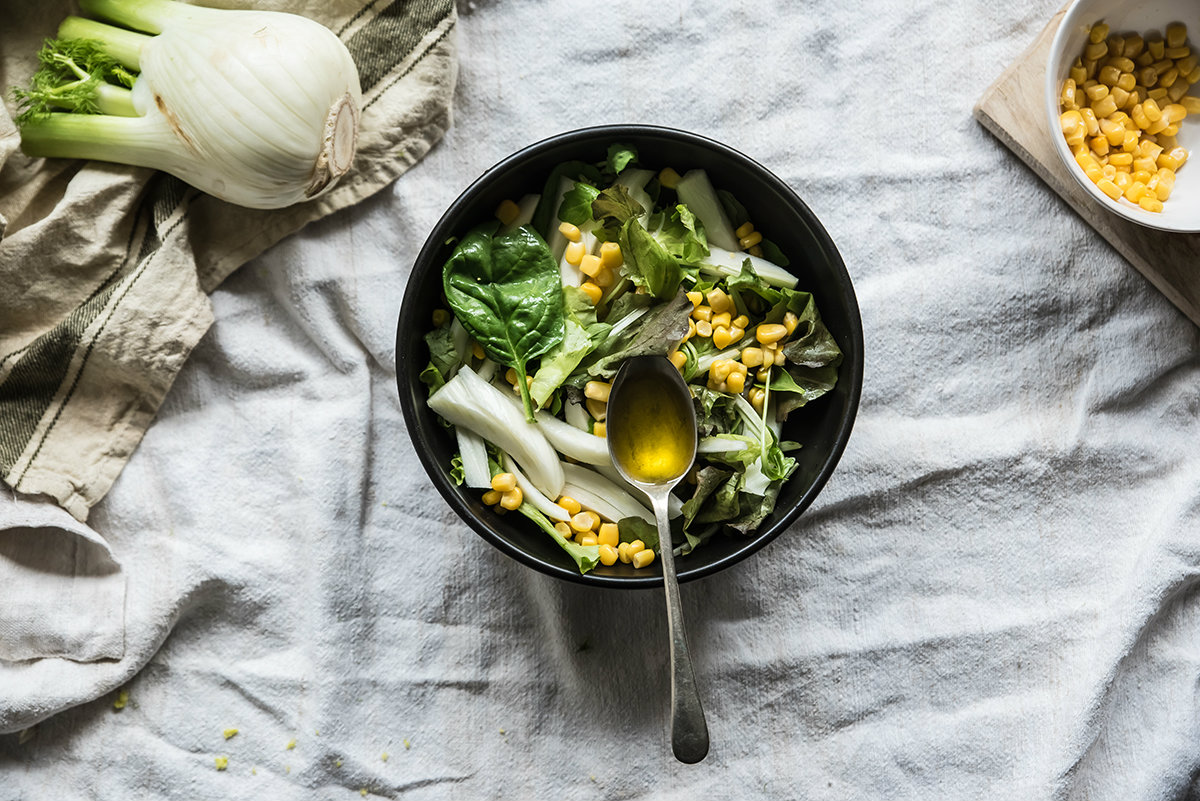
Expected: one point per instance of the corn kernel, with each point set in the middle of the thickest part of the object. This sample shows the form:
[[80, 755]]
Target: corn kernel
[[593, 292], [718, 301], [589, 265], [1150, 203], [1121, 159], [1135, 191], [477, 351], [636, 546], [1098, 33], [723, 319], [600, 430], [623, 553], [735, 383], [570, 231], [597, 409], [609, 534], [1142, 176], [608, 555], [751, 240], [720, 369], [574, 253], [564, 529], [702, 313], [704, 329], [768, 333], [1104, 106], [741, 321], [757, 398], [744, 230], [605, 278], [696, 298], [1176, 34], [1173, 159], [1164, 184], [507, 212], [677, 358], [597, 390], [584, 521], [588, 539], [491, 497], [752, 357], [610, 255], [572, 506], [1126, 83], [1073, 127], [668, 178], [1134, 45], [1078, 73], [1155, 46], [1109, 188], [1094, 52], [503, 482], [643, 558], [1109, 75], [722, 337], [512, 499]]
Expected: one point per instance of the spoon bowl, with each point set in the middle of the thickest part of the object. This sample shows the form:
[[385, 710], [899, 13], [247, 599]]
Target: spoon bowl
[[652, 437]]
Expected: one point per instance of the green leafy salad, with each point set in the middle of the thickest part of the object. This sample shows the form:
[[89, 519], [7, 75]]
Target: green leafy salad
[[610, 261]]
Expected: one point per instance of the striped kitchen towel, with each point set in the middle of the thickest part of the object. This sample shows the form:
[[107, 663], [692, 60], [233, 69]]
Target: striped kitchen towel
[[105, 270]]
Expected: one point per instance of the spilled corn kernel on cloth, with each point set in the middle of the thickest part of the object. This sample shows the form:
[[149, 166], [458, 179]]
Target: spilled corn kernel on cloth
[[105, 280]]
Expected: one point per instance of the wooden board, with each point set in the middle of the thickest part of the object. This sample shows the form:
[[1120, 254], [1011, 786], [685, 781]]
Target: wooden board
[[1012, 110]]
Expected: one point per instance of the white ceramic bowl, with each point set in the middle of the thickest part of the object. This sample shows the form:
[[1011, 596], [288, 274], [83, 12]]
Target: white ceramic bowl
[[1181, 212]]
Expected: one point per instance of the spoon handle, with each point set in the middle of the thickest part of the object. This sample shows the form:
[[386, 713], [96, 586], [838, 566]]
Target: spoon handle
[[689, 731]]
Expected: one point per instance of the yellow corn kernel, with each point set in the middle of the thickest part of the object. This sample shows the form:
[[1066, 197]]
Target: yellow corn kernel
[[1109, 171], [570, 231], [512, 499], [702, 313], [720, 369], [752, 357], [491, 497], [780, 357], [668, 178], [510, 375], [503, 482], [1073, 127], [696, 298], [723, 319], [597, 390], [605, 278], [1176, 34], [768, 333], [584, 521], [718, 301], [750, 241], [593, 291], [1150, 203], [1193, 77], [1156, 46], [589, 265], [1094, 173], [1109, 75], [610, 255], [1144, 164], [643, 558], [564, 529], [1167, 79], [1120, 97], [1159, 126], [1173, 159], [1113, 131], [1187, 64], [735, 383], [572, 506], [1098, 145], [1143, 176], [741, 321], [1131, 142], [1134, 44], [704, 329], [1151, 110], [744, 230], [507, 211], [677, 358], [1096, 92], [1104, 106], [636, 547], [721, 336], [574, 253], [1109, 188], [1098, 33], [597, 409], [1121, 159], [736, 333], [1174, 112], [609, 534], [1078, 73], [600, 430], [1134, 191], [1126, 82], [1122, 179], [1178, 91], [623, 553], [1094, 52], [1120, 62], [608, 555], [758, 397], [1149, 149], [587, 539], [1164, 184], [1080, 149], [1089, 67], [790, 321], [691, 330], [755, 250], [477, 350]]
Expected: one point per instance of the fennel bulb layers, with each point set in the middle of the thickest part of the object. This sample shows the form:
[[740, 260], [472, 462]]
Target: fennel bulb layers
[[257, 108]]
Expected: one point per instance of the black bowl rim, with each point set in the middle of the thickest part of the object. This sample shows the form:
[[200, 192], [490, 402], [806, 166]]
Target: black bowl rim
[[853, 365]]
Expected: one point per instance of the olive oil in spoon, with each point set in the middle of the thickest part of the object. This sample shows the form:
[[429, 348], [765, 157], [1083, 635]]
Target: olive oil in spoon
[[651, 432]]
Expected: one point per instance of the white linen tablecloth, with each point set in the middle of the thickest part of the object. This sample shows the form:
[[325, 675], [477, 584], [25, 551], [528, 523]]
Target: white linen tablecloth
[[995, 596]]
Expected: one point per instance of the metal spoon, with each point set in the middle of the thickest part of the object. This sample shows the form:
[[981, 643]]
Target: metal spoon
[[651, 432]]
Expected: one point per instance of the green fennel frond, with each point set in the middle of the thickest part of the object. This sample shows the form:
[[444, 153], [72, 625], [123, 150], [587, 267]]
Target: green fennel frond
[[69, 76]]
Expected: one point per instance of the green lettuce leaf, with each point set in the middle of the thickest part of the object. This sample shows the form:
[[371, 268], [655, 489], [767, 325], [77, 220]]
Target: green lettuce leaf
[[619, 157], [576, 206], [648, 263]]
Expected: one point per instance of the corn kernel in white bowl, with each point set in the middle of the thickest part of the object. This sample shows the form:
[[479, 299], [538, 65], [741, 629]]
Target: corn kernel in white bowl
[[1181, 212]]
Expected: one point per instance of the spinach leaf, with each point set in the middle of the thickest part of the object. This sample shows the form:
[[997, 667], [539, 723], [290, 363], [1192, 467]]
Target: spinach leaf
[[506, 291], [619, 157], [576, 205], [647, 263]]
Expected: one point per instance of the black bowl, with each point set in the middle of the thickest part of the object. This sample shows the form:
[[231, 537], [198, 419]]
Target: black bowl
[[823, 426]]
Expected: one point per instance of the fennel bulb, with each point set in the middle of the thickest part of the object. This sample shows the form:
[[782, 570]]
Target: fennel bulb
[[258, 108]]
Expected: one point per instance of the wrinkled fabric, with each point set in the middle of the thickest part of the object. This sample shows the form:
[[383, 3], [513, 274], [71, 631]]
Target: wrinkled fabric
[[995, 596]]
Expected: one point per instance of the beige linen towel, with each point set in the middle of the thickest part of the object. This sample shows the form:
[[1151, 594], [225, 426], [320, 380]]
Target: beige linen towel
[[105, 269]]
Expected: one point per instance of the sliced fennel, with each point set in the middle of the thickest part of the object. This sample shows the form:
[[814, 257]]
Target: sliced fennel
[[728, 264], [596, 492], [565, 438], [468, 401], [532, 494], [696, 192], [258, 108], [473, 450]]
